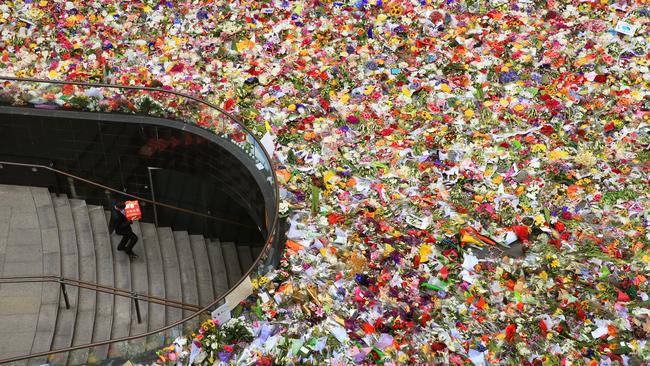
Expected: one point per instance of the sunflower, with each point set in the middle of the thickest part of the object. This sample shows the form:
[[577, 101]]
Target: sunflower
[[396, 10]]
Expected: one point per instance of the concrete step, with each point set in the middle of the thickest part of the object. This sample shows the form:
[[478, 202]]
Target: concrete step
[[122, 280], [85, 320], [230, 257], [49, 307], [203, 273], [73, 241], [245, 257], [171, 268], [155, 274], [188, 270], [22, 250], [218, 268], [139, 284], [105, 276], [65, 322], [5, 217]]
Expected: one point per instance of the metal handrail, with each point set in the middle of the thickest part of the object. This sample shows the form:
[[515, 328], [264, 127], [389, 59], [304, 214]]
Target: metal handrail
[[54, 170], [100, 288], [267, 244]]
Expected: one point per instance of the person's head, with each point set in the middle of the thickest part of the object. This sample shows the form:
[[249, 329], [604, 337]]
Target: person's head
[[120, 205]]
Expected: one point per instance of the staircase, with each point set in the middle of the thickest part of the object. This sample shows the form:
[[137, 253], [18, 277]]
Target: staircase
[[42, 234]]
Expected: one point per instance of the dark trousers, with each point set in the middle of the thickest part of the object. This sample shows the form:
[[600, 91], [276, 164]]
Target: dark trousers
[[128, 242]]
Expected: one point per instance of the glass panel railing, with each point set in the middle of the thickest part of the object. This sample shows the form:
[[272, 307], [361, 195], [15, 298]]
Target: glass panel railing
[[141, 159], [50, 95], [131, 100]]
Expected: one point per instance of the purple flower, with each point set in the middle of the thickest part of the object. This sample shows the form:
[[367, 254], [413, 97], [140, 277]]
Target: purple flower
[[225, 356], [508, 77]]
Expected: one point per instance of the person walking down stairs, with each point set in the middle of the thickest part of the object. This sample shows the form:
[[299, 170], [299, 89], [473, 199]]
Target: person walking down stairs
[[122, 226]]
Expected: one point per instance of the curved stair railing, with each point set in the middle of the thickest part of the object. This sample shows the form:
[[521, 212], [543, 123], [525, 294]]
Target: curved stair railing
[[135, 296], [168, 104], [124, 194]]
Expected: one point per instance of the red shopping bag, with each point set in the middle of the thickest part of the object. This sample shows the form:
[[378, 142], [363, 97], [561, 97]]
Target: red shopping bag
[[132, 210]]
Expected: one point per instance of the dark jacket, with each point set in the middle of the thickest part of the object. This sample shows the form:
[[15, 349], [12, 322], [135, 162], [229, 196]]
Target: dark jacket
[[119, 223]]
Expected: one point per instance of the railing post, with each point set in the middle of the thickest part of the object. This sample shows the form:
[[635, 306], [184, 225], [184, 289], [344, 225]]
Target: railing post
[[57, 186], [153, 195], [137, 307], [65, 293]]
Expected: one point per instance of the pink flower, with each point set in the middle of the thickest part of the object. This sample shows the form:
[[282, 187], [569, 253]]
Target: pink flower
[[608, 59]]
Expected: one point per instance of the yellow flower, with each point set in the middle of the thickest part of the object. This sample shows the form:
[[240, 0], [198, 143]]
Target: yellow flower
[[469, 113], [538, 148], [558, 154], [396, 10]]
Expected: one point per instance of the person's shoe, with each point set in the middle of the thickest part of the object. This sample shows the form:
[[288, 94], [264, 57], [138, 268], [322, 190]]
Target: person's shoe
[[120, 249], [132, 255]]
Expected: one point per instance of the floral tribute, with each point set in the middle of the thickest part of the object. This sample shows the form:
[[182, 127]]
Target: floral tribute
[[465, 181], [211, 344]]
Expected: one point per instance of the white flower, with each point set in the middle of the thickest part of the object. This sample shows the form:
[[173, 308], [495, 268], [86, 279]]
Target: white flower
[[284, 207]]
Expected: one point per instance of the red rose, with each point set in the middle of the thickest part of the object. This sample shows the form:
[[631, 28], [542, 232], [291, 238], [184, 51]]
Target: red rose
[[229, 104], [510, 332], [600, 78], [547, 130]]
